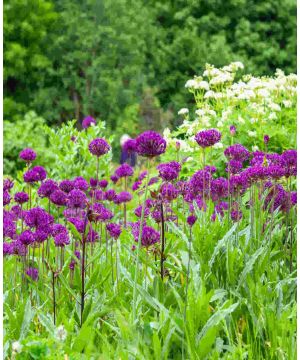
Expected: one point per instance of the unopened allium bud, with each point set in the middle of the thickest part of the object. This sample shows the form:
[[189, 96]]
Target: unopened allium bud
[[266, 139], [232, 129]]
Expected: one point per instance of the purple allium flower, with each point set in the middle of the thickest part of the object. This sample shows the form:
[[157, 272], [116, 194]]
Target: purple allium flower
[[80, 183], [206, 138], [232, 130], [99, 147], [99, 195], [275, 159], [239, 183], [234, 166], [92, 236], [219, 188], [88, 121], [114, 230], [191, 219], [275, 197], [293, 196], [41, 171], [169, 171], [153, 180], [123, 197], [200, 181], [275, 171], [7, 248], [26, 237], [149, 236], [58, 228], [110, 195], [31, 176], [236, 215], [210, 169], [255, 173], [102, 213], [124, 170], [40, 235], [138, 211], [169, 191], [156, 216], [73, 138], [33, 273], [130, 146], [103, 184], [149, 203], [21, 197], [237, 152], [142, 175], [66, 186], [6, 198], [200, 203], [38, 218], [78, 223], [114, 178], [266, 139], [150, 144], [8, 184], [61, 239], [27, 155], [136, 185], [59, 198], [9, 227], [19, 248], [77, 199], [177, 145], [220, 207], [17, 211], [93, 182], [289, 158]]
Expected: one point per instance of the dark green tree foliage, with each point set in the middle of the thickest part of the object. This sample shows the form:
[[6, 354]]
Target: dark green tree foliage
[[68, 58]]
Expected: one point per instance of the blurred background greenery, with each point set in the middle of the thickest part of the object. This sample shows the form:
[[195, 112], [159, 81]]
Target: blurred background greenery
[[126, 62]]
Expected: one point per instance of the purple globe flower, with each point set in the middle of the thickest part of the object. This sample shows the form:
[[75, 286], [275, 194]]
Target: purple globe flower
[[219, 188], [138, 211], [7, 248], [237, 152], [21, 197], [59, 198], [275, 171], [9, 227], [136, 185], [66, 186], [26, 237], [150, 144], [236, 215], [31, 176], [27, 155], [80, 183], [61, 239], [47, 188], [114, 230], [77, 199], [41, 171], [93, 183], [234, 166], [99, 195], [169, 191], [99, 147], [123, 197], [289, 158], [114, 178], [33, 273], [110, 195], [88, 121], [153, 180], [255, 173], [6, 198], [102, 213], [142, 175], [124, 170], [294, 197], [38, 218], [8, 184], [92, 236], [78, 223], [17, 211], [191, 219], [220, 207], [156, 216], [206, 138], [103, 184], [149, 236], [200, 181], [40, 235], [169, 171], [58, 228], [130, 146]]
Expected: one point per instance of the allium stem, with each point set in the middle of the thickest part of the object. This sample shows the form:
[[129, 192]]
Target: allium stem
[[83, 272], [54, 301], [112, 260], [162, 253], [138, 246]]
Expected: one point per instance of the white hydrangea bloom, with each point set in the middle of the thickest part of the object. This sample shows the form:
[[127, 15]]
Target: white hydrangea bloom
[[209, 94], [202, 85], [190, 84], [183, 111]]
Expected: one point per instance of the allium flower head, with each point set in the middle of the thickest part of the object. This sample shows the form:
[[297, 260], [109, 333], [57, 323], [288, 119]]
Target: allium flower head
[[99, 147], [7, 248], [6, 198], [93, 182], [9, 226], [153, 180], [169, 191], [206, 138], [40, 235], [130, 146], [169, 171], [142, 175], [26, 237], [38, 218], [110, 195], [123, 197], [150, 144], [66, 186], [103, 184], [59, 198], [78, 223], [114, 230], [191, 219], [237, 152], [275, 171], [219, 188], [8, 184], [124, 170], [139, 209], [114, 178], [136, 185], [234, 166], [31, 176], [200, 181], [88, 121], [77, 199], [61, 239], [80, 183], [149, 236], [33, 273], [41, 171], [27, 155], [47, 188]]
